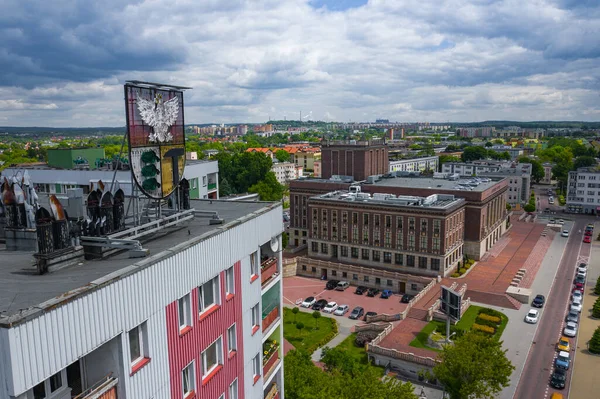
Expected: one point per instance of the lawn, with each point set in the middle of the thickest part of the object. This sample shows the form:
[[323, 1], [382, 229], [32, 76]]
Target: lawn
[[309, 338], [358, 353], [465, 324]]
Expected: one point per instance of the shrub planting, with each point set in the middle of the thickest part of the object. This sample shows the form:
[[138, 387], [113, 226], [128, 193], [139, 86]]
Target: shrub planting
[[455, 275], [365, 337], [462, 271], [485, 329], [491, 312], [493, 319]]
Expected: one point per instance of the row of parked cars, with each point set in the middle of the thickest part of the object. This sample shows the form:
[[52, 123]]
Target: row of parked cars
[[332, 307], [371, 292]]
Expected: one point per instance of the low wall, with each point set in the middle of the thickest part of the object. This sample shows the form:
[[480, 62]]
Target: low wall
[[288, 266]]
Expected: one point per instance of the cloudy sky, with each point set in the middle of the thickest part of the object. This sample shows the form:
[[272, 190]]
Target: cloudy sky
[[63, 62]]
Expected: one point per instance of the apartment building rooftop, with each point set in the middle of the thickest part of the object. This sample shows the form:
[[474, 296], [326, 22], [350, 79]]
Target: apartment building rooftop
[[435, 201], [452, 183], [24, 294]]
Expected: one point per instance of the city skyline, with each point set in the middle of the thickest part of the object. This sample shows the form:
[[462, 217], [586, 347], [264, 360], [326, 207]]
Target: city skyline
[[339, 61]]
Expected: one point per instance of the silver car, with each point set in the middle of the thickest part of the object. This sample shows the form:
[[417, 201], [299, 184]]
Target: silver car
[[341, 310], [570, 329]]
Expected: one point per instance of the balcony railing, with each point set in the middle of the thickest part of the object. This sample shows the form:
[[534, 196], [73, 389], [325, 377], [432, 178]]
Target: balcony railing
[[270, 318], [273, 392], [270, 357], [212, 186], [106, 388], [267, 269]]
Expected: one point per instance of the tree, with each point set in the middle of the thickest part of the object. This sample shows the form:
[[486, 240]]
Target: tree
[[225, 188], [282, 155], [537, 170], [473, 153], [596, 309], [295, 312], [300, 326], [474, 367], [285, 239], [488, 144], [584, 161], [597, 288], [594, 345], [268, 189], [498, 141], [452, 148], [316, 315], [529, 208]]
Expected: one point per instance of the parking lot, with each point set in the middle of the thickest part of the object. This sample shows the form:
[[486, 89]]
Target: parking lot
[[296, 288]]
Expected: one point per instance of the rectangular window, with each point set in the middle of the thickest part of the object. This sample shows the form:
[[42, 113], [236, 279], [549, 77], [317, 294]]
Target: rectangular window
[[204, 180], [344, 251], [256, 366], [366, 279], [436, 244], [413, 287], [56, 382], [411, 242], [354, 252], [365, 236], [230, 281], [355, 277], [184, 307], [387, 257], [303, 267], [233, 390], [376, 256], [435, 264], [313, 269], [410, 260], [188, 380], [314, 246], [377, 280], [354, 217], [423, 226], [436, 227], [344, 274], [399, 222], [365, 219], [390, 283], [334, 273], [422, 262], [388, 221], [324, 248], [231, 339], [423, 243], [255, 316], [254, 264], [212, 357], [365, 254], [137, 343], [388, 239], [398, 259], [411, 225], [344, 217], [376, 220], [209, 294]]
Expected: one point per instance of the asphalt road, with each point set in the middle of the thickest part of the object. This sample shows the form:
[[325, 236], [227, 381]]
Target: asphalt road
[[534, 381]]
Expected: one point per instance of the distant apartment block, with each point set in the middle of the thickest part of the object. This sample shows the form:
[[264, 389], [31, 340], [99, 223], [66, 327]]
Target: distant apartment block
[[487, 131], [547, 173], [415, 164], [286, 171], [583, 191]]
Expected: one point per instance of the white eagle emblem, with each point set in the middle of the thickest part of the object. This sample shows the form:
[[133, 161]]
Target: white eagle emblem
[[160, 115]]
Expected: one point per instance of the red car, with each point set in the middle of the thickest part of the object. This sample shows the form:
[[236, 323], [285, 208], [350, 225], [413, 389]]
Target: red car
[[587, 239], [578, 286], [588, 232]]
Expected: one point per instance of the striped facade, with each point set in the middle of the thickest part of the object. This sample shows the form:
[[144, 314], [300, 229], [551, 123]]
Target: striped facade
[[91, 325]]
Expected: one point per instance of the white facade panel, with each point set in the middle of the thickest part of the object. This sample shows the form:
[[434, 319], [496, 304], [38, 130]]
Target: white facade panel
[[47, 344]]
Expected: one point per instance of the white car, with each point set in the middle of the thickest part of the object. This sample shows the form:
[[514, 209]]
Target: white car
[[577, 296], [565, 233], [308, 302], [576, 307], [560, 221], [341, 310], [532, 316], [582, 271], [330, 307], [570, 329]]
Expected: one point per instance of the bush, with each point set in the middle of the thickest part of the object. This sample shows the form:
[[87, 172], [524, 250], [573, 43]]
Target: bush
[[441, 329], [467, 266], [594, 345], [471, 262], [462, 271], [529, 208], [493, 319], [596, 309], [455, 275], [491, 312], [597, 288], [485, 322], [365, 337], [485, 329]]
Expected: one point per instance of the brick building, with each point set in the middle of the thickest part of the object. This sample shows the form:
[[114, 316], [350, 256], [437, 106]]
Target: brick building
[[359, 159]]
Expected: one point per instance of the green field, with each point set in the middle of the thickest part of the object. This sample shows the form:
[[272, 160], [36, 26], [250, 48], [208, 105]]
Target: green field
[[310, 337]]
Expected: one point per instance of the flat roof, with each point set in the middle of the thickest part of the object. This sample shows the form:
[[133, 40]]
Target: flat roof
[[431, 183], [24, 293], [434, 201]]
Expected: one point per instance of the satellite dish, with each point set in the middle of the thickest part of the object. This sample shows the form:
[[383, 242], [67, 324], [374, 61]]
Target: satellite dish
[[274, 244]]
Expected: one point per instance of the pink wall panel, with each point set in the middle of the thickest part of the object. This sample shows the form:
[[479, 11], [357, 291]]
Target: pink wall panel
[[184, 349]]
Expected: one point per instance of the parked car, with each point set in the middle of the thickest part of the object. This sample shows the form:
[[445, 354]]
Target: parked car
[[563, 360], [582, 270], [342, 285], [564, 344], [573, 316], [330, 307], [385, 294], [580, 280], [565, 233], [308, 302], [590, 226], [369, 314], [578, 287], [372, 292], [532, 316], [558, 379], [552, 221], [320, 304], [583, 265], [576, 307], [561, 221], [331, 284], [360, 290], [570, 329], [357, 312], [577, 296], [538, 301], [589, 232], [406, 298], [341, 310], [587, 239]]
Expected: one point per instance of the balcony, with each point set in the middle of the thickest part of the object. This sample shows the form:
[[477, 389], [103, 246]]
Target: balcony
[[268, 270], [106, 388], [273, 393], [271, 300], [270, 357], [212, 186], [270, 318]]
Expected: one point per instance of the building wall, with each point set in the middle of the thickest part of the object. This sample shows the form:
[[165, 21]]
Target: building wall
[[63, 158], [417, 164], [357, 161], [583, 191], [34, 350]]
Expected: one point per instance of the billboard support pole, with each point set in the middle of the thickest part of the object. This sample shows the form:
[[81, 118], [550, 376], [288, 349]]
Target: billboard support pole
[[447, 328]]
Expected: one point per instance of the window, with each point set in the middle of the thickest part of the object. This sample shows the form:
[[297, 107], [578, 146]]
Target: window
[[423, 243], [254, 264], [422, 262], [410, 260], [256, 367], [314, 246], [303, 267], [376, 220], [388, 239], [344, 274], [188, 380], [387, 257], [255, 318], [377, 280], [184, 312], [324, 248], [233, 390], [55, 382], [398, 259], [334, 273], [411, 225], [355, 277], [399, 222], [435, 264], [344, 251], [411, 242], [354, 252], [39, 391], [138, 343], [365, 219], [212, 357], [376, 256], [413, 287], [354, 217], [365, 254], [436, 244], [366, 279], [229, 281], [209, 295], [313, 269], [390, 283], [388, 221], [204, 181], [231, 339]]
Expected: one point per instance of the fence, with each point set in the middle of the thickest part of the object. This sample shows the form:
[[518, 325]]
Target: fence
[[395, 354]]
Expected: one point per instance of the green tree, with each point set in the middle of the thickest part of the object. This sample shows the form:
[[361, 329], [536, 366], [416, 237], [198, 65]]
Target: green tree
[[452, 148], [597, 288], [295, 311], [596, 309], [583, 161], [498, 141], [225, 188], [474, 367], [316, 315], [489, 144], [300, 326], [268, 189], [285, 238], [529, 208], [594, 345], [282, 155], [537, 170], [473, 153]]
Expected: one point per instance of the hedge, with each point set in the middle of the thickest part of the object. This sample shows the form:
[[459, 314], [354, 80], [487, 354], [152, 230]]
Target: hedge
[[494, 319], [462, 271], [467, 266], [485, 329], [487, 323], [491, 312], [455, 275]]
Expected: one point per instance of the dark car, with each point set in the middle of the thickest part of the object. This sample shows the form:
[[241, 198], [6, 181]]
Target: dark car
[[584, 265], [385, 294], [573, 316], [357, 312], [558, 379], [331, 284], [406, 298], [538, 301], [369, 314], [580, 280], [360, 290], [373, 291], [320, 304]]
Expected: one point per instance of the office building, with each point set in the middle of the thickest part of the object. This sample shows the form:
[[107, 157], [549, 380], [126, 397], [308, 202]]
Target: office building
[[358, 159], [583, 191], [415, 164]]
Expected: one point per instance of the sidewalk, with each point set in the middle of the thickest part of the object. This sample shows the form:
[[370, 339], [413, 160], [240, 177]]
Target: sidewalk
[[584, 380]]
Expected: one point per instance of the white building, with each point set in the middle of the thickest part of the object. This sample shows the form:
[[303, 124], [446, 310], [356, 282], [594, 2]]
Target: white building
[[583, 191], [286, 171], [415, 164], [203, 177], [194, 319]]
